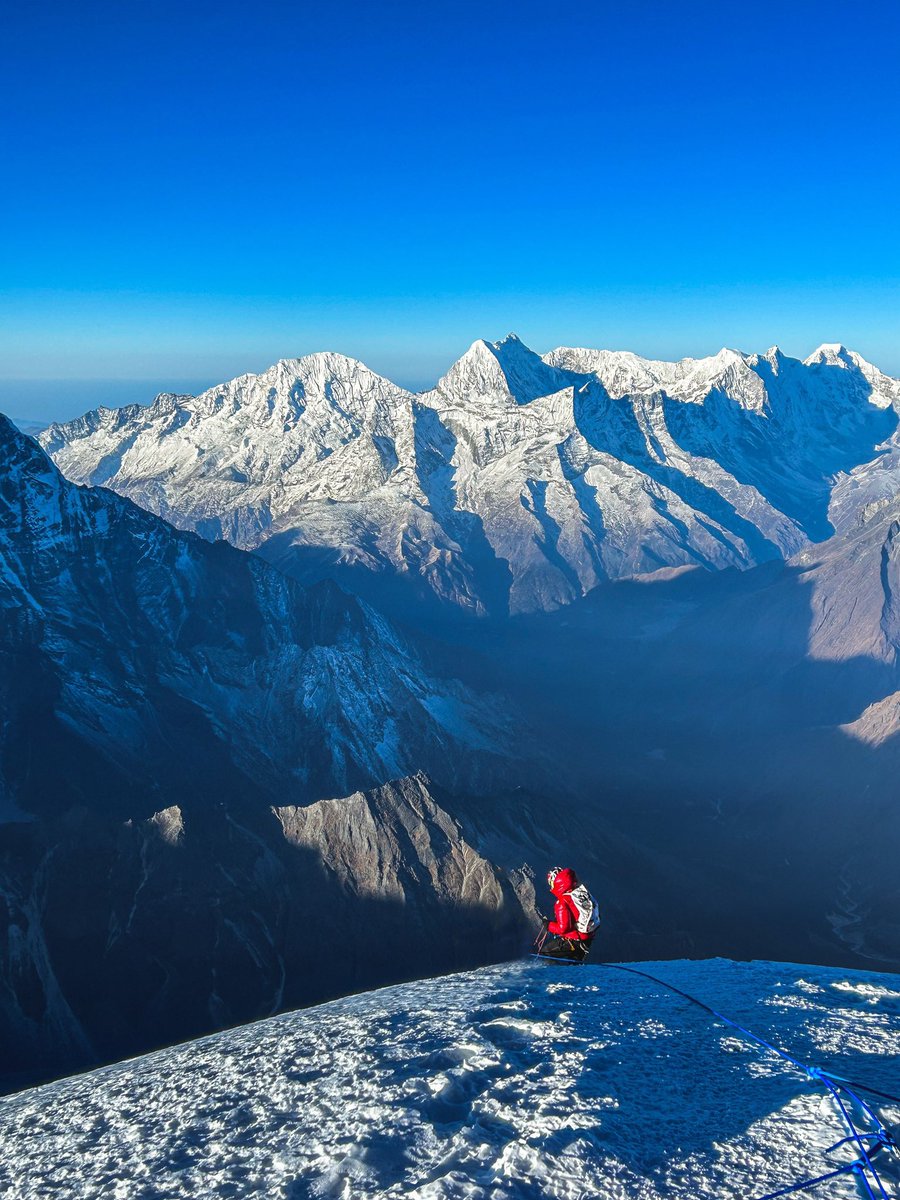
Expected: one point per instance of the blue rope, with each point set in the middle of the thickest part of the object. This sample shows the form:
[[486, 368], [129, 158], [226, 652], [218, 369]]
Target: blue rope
[[810, 1183], [856, 1137], [882, 1135], [843, 1141], [864, 1087]]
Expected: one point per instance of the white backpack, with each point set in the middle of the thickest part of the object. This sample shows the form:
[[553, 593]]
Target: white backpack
[[588, 910]]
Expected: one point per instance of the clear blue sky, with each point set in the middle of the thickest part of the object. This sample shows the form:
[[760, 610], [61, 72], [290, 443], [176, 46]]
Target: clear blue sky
[[193, 190]]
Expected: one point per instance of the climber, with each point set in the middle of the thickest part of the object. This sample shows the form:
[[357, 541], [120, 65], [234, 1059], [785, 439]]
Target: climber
[[576, 917]]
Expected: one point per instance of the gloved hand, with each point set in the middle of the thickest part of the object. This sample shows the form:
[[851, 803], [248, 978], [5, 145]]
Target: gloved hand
[[545, 921]]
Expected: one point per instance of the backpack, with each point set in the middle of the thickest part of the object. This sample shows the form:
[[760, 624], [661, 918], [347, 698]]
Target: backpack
[[588, 909]]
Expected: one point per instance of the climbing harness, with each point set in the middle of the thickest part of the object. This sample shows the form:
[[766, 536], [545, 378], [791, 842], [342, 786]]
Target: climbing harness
[[878, 1138], [537, 951]]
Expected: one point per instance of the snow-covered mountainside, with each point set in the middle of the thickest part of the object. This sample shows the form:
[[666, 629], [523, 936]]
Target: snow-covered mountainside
[[174, 713], [519, 482], [129, 634], [527, 1080]]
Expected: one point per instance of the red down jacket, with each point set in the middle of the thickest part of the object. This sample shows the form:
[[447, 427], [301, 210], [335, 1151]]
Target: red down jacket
[[566, 914]]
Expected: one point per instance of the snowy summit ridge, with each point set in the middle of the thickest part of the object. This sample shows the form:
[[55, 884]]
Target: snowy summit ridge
[[513, 1081]]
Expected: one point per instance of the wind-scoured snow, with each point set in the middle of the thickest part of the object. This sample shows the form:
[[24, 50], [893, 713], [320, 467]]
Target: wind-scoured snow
[[519, 482], [513, 1082]]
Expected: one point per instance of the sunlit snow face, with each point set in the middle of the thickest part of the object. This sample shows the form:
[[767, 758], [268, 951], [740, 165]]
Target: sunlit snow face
[[535, 479]]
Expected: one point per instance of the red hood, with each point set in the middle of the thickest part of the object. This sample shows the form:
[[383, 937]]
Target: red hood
[[565, 881]]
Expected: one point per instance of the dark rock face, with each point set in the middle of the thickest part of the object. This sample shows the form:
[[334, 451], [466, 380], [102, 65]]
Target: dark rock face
[[161, 696]]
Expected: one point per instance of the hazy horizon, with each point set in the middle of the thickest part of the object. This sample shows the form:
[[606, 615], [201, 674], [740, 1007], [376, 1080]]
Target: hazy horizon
[[45, 400]]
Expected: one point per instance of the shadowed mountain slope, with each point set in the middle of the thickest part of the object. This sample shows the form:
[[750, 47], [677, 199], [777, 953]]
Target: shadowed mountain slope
[[135, 643], [169, 708], [744, 727]]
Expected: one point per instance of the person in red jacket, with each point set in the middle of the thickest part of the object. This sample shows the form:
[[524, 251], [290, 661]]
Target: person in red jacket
[[575, 917]]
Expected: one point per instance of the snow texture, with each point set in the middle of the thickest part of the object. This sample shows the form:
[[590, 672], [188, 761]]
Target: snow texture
[[509, 1083]]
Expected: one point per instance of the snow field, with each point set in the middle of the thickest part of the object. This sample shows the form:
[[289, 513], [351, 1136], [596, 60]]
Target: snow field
[[513, 1082]]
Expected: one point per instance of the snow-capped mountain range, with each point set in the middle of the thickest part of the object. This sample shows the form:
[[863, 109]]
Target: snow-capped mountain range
[[516, 1082], [519, 482]]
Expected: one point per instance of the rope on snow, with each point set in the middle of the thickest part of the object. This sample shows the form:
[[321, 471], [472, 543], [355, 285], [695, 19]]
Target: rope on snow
[[881, 1137]]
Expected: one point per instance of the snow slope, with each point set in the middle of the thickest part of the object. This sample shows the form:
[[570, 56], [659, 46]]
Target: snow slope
[[518, 483], [513, 1082]]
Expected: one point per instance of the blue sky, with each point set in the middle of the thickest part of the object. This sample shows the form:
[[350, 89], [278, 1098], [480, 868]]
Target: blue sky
[[195, 190]]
